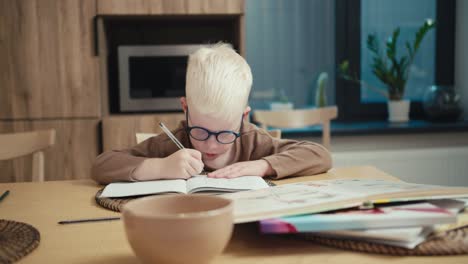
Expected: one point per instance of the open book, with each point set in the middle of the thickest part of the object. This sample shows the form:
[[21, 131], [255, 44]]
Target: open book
[[326, 195], [199, 183]]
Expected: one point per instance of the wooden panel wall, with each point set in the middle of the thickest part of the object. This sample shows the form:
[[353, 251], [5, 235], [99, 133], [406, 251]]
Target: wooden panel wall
[[51, 78], [118, 132], [169, 7], [47, 66], [71, 157]]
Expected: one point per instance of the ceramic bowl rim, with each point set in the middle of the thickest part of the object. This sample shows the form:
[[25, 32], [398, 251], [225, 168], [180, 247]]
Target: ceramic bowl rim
[[192, 215]]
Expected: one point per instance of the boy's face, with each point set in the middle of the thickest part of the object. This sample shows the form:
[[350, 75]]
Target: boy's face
[[214, 154]]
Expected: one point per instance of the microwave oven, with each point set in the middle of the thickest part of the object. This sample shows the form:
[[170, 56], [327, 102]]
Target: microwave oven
[[152, 77]]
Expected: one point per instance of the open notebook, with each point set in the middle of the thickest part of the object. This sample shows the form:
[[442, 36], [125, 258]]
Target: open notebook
[[198, 183]]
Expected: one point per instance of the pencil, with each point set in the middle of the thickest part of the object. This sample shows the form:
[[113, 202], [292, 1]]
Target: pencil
[[5, 194], [170, 135], [174, 139], [66, 222]]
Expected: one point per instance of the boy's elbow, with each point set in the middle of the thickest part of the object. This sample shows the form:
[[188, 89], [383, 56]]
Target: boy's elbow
[[95, 173], [326, 161], [98, 172]]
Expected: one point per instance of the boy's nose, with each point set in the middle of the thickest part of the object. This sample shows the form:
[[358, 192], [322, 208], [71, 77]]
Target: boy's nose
[[211, 142]]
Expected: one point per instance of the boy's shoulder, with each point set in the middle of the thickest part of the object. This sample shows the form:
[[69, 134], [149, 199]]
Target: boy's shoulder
[[250, 130]]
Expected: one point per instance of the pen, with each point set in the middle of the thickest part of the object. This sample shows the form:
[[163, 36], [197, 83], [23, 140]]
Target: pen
[[5, 194], [171, 136], [65, 222]]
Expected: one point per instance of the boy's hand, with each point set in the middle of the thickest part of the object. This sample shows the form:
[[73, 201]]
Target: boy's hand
[[244, 168], [180, 165]]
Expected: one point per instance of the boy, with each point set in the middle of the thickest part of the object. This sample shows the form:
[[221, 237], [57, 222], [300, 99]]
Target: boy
[[215, 135]]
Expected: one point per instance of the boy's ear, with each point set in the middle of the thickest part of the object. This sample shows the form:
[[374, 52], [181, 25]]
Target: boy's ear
[[183, 102], [246, 112]]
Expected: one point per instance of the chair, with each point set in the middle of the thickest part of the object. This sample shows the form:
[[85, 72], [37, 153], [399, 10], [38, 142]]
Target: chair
[[15, 145], [298, 118], [140, 137]]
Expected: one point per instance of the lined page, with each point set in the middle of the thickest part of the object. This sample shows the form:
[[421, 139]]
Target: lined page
[[203, 183], [124, 189]]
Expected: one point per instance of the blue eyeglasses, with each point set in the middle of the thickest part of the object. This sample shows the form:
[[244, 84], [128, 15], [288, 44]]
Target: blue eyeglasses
[[203, 134]]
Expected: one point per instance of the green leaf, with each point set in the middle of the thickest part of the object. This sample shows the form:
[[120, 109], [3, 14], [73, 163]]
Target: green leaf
[[426, 26], [391, 44], [372, 44], [409, 49]]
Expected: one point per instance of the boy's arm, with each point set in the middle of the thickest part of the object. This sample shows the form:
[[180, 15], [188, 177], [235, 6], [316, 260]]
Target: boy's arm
[[118, 165], [266, 156], [297, 158], [155, 158]]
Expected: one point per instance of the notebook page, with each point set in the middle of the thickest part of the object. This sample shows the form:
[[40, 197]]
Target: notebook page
[[124, 189], [203, 183]]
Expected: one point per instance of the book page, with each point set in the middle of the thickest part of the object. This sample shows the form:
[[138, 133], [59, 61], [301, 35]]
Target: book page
[[125, 189], [283, 200], [200, 183]]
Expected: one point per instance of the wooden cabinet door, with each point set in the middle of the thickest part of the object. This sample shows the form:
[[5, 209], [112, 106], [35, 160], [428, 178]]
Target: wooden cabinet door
[[170, 7], [47, 63]]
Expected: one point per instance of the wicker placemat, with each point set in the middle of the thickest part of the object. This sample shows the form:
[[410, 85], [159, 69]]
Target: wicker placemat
[[114, 204], [452, 242], [16, 240]]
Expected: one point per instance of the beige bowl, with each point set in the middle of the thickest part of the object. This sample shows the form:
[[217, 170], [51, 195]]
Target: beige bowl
[[178, 228]]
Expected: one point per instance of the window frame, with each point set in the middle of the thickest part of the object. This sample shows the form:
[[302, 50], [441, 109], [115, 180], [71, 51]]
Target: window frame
[[348, 47]]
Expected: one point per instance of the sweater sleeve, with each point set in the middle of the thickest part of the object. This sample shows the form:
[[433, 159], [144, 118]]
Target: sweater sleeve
[[290, 158], [119, 165]]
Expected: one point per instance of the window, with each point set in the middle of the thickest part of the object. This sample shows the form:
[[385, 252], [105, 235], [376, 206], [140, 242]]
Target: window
[[289, 43], [355, 19]]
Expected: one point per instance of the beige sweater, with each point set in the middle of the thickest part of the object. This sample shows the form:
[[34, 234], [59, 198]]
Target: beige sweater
[[286, 157]]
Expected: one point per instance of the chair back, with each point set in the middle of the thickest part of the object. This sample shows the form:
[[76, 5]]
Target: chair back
[[15, 145], [140, 137], [298, 118], [276, 133]]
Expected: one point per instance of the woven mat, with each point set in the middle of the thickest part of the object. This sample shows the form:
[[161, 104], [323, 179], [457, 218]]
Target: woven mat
[[16, 240], [116, 204], [452, 242]]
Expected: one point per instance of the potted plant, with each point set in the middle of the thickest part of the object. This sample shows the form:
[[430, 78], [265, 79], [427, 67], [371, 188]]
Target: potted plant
[[392, 71]]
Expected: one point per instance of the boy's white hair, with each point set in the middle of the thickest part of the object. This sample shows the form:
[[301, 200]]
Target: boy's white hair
[[218, 82]]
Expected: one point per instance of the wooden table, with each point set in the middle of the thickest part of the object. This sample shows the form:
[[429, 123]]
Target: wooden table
[[44, 204]]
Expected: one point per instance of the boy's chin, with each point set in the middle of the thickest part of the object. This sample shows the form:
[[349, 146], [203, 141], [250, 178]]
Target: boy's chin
[[215, 164]]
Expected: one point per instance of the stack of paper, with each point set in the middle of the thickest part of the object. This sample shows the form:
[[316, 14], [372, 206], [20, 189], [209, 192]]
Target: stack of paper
[[404, 214]]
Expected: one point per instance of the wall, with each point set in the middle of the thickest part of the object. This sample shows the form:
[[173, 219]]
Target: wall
[[288, 44], [461, 53], [431, 158]]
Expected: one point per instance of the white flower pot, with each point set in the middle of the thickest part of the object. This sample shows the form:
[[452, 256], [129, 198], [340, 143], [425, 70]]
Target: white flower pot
[[398, 111], [279, 106]]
